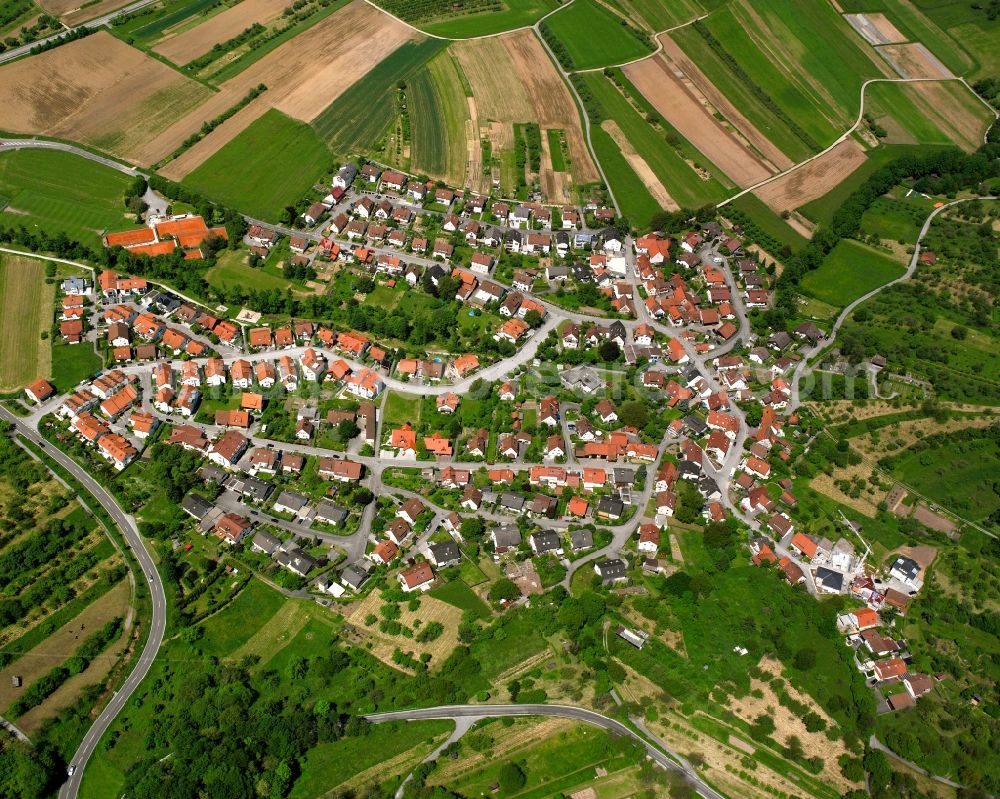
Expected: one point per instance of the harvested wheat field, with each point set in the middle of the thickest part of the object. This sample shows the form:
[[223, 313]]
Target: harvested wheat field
[[658, 84], [914, 61], [639, 166], [814, 179], [187, 45], [73, 12], [536, 94], [303, 76], [953, 109], [85, 89], [719, 100]]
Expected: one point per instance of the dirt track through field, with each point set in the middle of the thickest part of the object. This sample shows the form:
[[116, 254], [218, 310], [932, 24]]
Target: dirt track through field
[[814, 179], [303, 77], [639, 165], [658, 84], [188, 44], [86, 90], [723, 104]]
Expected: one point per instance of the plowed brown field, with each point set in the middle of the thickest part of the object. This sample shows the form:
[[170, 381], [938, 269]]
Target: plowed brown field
[[658, 84], [814, 179], [188, 44]]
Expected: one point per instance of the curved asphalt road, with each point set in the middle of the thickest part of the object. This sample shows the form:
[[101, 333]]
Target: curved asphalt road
[[456, 712], [158, 622]]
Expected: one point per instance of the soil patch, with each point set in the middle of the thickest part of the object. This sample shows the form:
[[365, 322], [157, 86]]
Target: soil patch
[[719, 100], [639, 165], [664, 90], [876, 28], [88, 89], [814, 179]]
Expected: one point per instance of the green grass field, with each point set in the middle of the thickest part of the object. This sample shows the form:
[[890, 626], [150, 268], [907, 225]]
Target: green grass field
[[57, 192], [898, 219], [768, 221], [515, 14], [669, 164], [457, 593], [271, 164], [359, 117], [230, 270], [772, 41], [554, 137], [332, 764], [25, 312], [72, 363], [658, 15], [850, 270], [146, 29], [439, 112], [898, 101], [958, 475], [576, 27], [399, 409]]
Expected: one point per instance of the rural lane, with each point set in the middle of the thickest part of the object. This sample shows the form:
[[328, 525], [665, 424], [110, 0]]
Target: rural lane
[[456, 713], [158, 621]]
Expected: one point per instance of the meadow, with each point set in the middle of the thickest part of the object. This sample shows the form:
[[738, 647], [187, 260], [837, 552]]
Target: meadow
[[768, 42], [439, 112], [896, 218], [633, 197], [769, 223], [576, 27], [659, 16], [270, 165], [358, 118], [25, 313], [400, 409], [667, 162], [231, 269], [61, 192], [512, 14], [459, 594], [850, 270], [943, 114]]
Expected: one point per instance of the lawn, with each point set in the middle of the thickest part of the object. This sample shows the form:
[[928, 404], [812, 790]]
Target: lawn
[[462, 597], [439, 112], [231, 269], [55, 192], [399, 409], [668, 163], [514, 14], [329, 765], [25, 313], [957, 471], [556, 149], [270, 165], [357, 119], [72, 363], [240, 619], [850, 270], [576, 27]]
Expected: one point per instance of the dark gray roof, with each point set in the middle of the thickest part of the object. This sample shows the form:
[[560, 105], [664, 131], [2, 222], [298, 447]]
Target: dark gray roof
[[506, 535], [545, 541], [290, 499], [445, 552], [196, 505], [581, 539], [265, 542], [624, 476], [331, 512], [610, 506], [298, 562], [834, 581], [353, 577], [511, 501], [254, 487], [906, 566], [613, 569]]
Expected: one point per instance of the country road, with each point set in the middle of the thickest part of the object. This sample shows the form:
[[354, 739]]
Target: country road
[[158, 622], [666, 759]]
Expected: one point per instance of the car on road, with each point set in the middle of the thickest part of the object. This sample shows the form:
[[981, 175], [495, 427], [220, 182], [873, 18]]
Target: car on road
[[71, 770], [149, 576]]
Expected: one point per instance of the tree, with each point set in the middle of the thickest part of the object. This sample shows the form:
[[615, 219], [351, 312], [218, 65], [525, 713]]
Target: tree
[[878, 768], [609, 351], [762, 727], [347, 429], [634, 414], [511, 778], [805, 659], [533, 318], [502, 589]]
